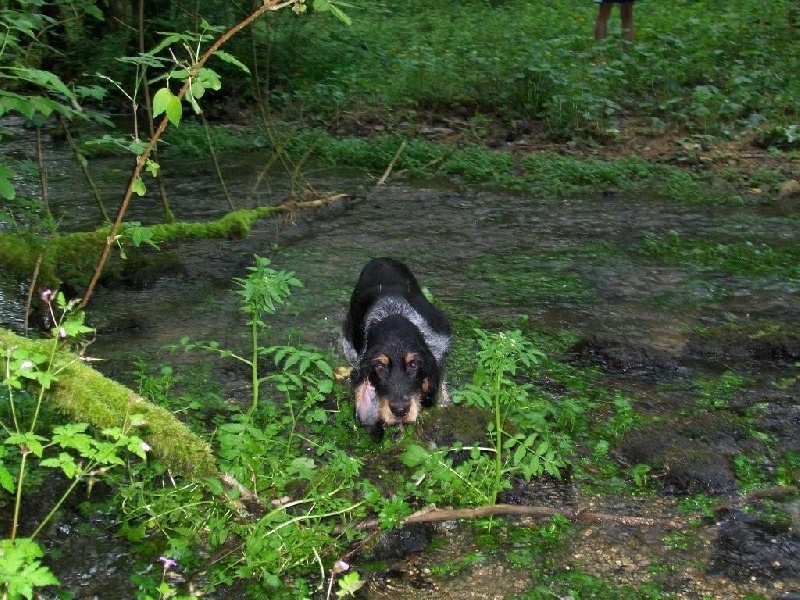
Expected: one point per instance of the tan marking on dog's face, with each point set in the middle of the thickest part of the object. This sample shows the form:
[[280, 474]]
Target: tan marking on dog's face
[[410, 359], [388, 417], [426, 385], [382, 359]]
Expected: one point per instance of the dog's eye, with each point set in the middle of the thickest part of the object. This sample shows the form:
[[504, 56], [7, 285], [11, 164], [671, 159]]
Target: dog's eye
[[379, 367], [412, 365]]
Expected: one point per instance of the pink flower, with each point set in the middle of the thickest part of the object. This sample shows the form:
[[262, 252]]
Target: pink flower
[[167, 562], [46, 295]]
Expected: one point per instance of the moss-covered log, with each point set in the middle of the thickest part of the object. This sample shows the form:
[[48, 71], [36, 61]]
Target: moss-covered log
[[73, 256], [87, 396]]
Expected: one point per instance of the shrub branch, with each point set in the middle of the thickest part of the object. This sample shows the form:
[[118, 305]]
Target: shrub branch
[[141, 160]]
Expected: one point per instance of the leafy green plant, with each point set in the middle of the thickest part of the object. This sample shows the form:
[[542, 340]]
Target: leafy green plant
[[70, 448], [641, 476], [785, 137], [261, 291], [522, 431], [287, 490], [349, 584]]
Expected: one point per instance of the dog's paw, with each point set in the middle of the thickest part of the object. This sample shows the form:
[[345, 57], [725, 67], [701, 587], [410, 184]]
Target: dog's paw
[[342, 373]]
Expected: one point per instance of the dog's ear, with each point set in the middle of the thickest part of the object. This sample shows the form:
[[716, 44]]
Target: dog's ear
[[429, 391], [366, 404]]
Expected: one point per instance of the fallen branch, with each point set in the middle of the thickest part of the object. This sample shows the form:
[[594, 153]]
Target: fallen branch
[[88, 396], [734, 503], [69, 257], [393, 162], [437, 515]]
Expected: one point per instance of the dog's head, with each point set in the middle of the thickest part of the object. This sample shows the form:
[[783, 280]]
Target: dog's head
[[396, 375]]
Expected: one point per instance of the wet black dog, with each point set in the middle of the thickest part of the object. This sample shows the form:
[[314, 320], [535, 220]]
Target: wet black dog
[[396, 341]]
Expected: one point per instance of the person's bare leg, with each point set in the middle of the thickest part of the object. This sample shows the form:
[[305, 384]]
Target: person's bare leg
[[601, 24], [626, 12]]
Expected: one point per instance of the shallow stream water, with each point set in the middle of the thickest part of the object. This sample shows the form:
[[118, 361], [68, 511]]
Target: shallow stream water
[[490, 255]]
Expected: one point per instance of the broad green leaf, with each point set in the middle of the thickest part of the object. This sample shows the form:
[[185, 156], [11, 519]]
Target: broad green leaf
[[209, 79], [137, 147], [139, 187], [7, 481], [197, 89], [31, 441], [152, 167], [171, 38], [339, 14], [229, 58], [65, 462], [161, 100], [174, 110]]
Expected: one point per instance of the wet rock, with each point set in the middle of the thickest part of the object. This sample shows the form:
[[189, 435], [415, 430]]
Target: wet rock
[[681, 464], [445, 426], [615, 356], [399, 543], [783, 421], [748, 548], [543, 491], [789, 189], [778, 345]]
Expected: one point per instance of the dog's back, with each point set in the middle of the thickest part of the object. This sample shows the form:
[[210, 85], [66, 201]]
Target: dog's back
[[380, 279]]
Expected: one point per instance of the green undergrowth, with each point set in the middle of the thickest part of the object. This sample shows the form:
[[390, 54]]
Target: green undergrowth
[[542, 174], [692, 66], [307, 473], [299, 482], [744, 258]]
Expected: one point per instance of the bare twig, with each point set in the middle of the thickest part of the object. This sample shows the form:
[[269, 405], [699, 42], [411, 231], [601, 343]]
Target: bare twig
[[141, 160], [31, 288], [42, 174], [579, 515], [214, 159], [388, 171], [79, 158], [148, 107]]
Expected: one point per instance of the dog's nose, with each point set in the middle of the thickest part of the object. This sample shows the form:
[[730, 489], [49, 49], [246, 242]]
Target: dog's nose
[[399, 411]]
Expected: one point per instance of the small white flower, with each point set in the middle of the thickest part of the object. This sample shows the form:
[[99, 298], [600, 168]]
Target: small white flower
[[62, 333], [145, 446], [26, 365]]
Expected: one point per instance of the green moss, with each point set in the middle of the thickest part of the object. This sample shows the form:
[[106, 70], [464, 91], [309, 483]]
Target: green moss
[[87, 396], [72, 257]]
